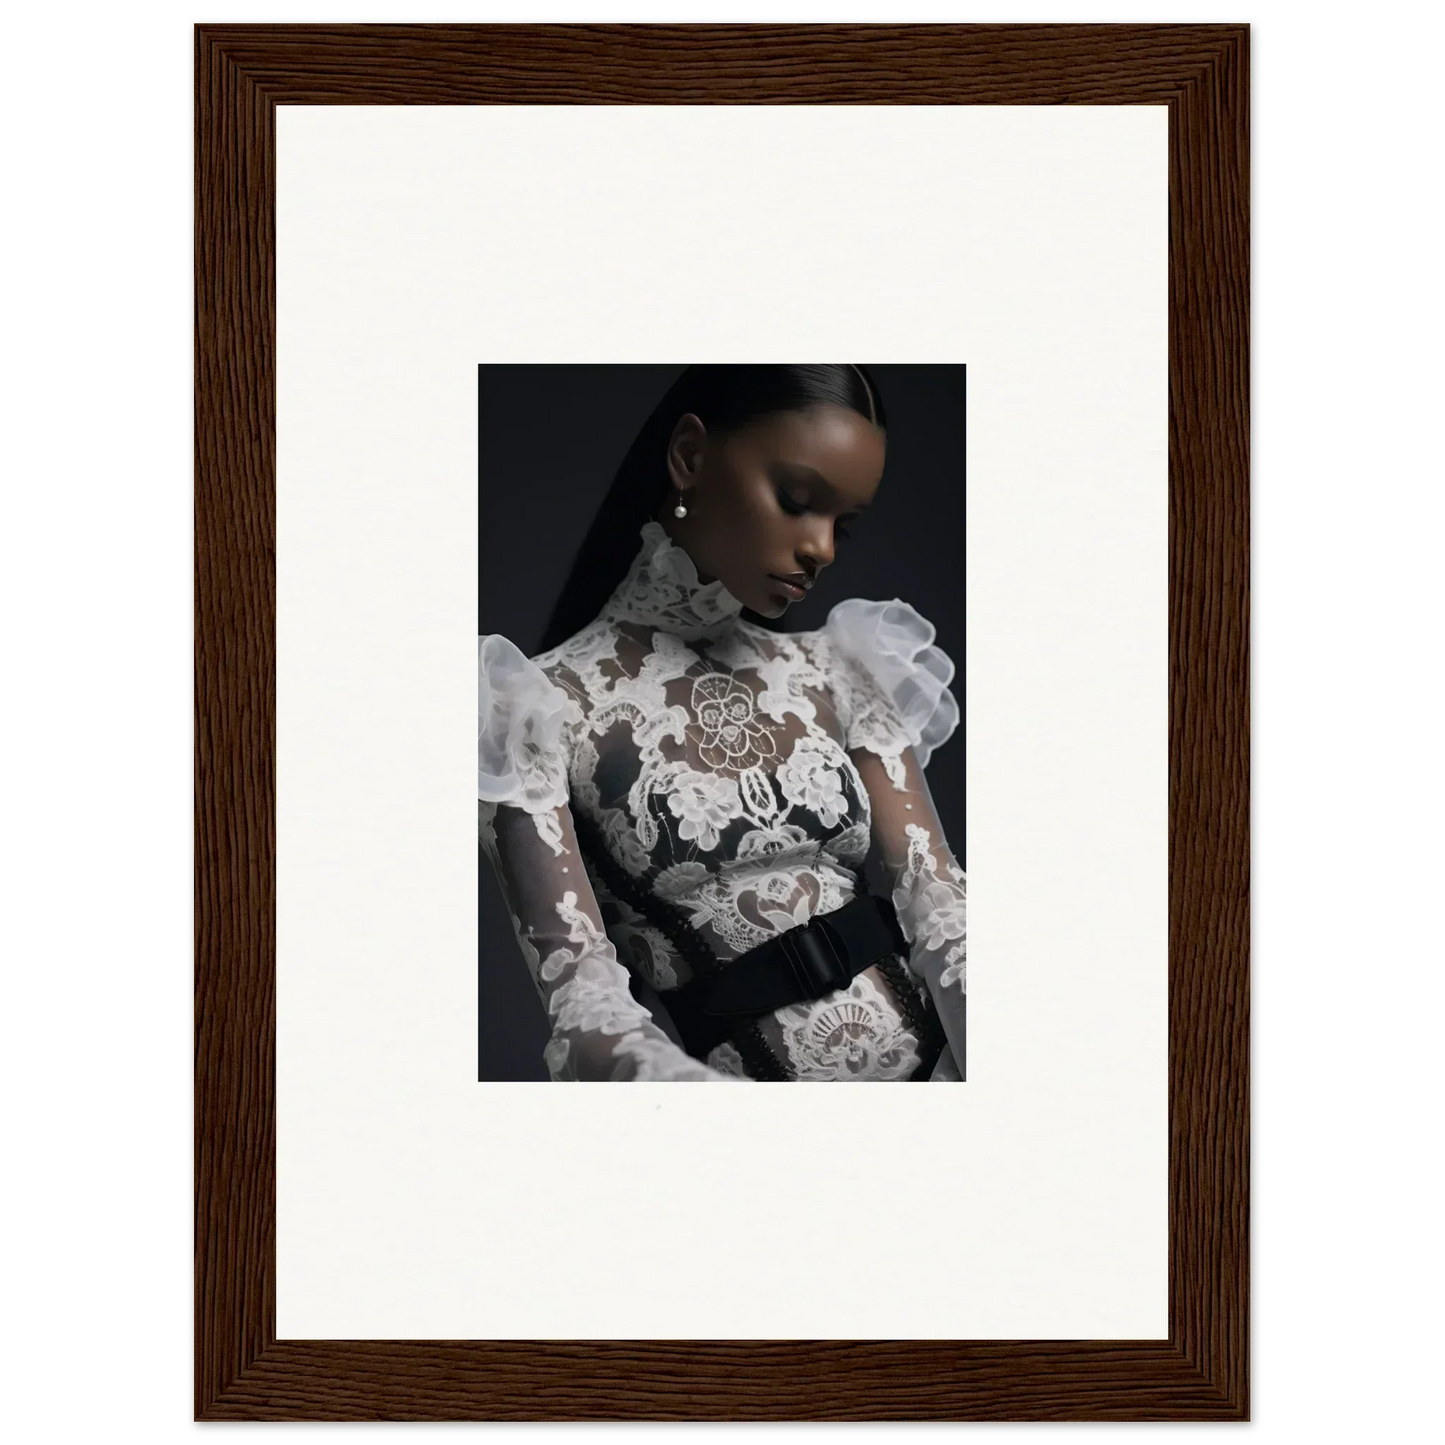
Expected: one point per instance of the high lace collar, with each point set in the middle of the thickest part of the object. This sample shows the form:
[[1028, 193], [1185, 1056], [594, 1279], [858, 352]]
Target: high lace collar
[[661, 589]]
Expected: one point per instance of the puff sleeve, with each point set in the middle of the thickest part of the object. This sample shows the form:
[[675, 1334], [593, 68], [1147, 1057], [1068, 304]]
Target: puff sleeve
[[890, 690], [525, 727]]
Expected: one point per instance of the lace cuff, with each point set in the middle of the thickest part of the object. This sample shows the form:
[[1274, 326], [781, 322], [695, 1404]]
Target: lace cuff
[[901, 697], [523, 729]]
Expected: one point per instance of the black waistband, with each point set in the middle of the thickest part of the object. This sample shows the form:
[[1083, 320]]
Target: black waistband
[[806, 962], [782, 970]]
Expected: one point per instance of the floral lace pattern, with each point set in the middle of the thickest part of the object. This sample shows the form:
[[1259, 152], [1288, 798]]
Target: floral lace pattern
[[855, 1034], [741, 775]]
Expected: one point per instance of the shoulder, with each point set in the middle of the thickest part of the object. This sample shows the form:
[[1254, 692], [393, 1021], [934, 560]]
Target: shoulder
[[890, 639], [524, 723], [883, 654], [508, 678], [568, 661]]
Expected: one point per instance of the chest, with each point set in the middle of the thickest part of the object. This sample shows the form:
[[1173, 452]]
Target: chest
[[725, 764]]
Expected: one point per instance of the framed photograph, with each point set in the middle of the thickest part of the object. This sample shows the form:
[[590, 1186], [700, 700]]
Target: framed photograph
[[546, 324]]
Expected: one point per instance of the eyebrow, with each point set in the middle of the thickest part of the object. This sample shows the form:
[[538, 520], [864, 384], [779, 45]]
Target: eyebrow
[[815, 475]]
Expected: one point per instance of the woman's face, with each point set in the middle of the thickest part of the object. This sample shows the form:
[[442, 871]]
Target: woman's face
[[771, 501]]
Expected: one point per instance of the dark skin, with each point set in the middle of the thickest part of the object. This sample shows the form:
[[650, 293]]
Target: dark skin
[[771, 499]]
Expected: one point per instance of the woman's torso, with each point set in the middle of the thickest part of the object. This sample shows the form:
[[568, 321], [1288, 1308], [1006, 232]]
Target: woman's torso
[[713, 771]]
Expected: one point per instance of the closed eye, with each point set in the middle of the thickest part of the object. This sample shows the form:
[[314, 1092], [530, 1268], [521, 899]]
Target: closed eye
[[795, 508]]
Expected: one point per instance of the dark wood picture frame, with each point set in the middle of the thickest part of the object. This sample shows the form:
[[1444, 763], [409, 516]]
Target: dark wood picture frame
[[242, 1371]]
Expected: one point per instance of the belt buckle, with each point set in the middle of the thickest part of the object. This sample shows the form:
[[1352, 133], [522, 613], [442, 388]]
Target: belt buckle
[[814, 959]]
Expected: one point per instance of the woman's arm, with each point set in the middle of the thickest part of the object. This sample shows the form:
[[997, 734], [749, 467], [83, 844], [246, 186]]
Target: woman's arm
[[525, 728], [889, 686], [926, 884], [599, 1031]]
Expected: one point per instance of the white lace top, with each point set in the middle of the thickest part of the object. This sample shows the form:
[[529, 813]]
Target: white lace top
[[741, 776]]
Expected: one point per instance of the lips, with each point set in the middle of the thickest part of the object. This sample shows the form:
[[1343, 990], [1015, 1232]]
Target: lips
[[797, 584]]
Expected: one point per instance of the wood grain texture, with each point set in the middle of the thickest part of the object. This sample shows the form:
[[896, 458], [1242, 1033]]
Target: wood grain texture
[[1201, 74]]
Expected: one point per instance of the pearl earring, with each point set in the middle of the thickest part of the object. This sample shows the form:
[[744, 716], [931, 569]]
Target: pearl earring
[[680, 510]]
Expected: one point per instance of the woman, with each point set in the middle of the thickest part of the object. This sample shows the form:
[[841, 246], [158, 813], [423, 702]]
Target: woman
[[679, 802]]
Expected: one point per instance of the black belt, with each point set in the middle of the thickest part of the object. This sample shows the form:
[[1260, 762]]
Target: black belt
[[824, 954]]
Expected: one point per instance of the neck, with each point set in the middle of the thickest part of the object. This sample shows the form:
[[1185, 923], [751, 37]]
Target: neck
[[664, 589]]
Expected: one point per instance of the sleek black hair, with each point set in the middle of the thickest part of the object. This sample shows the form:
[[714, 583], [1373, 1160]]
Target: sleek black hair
[[725, 398]]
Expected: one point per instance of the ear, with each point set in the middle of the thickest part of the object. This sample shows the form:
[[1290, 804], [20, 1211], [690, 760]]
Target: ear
[[686, 451]]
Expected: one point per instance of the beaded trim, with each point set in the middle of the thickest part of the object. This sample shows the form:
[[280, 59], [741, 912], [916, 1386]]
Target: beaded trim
[[759, 1060]]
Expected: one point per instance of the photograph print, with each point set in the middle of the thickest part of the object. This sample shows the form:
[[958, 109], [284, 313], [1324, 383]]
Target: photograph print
[[720, 772]]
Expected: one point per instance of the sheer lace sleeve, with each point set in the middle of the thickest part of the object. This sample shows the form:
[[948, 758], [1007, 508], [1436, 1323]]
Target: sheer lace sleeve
[[891, 693], [525, 726]]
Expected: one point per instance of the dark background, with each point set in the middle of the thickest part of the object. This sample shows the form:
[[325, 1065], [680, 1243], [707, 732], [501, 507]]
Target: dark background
[[550, 439]]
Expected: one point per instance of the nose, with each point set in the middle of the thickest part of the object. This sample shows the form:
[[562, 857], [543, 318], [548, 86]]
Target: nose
[[815, 548]]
